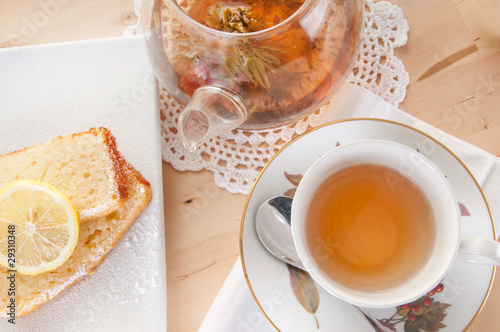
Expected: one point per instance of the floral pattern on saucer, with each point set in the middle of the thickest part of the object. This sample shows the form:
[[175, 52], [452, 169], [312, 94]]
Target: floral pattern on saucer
[[289, 303], [424, 314]]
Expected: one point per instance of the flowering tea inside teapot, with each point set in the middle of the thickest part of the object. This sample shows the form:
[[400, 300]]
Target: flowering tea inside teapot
[[240, 16], [252, 66], [274, 60]]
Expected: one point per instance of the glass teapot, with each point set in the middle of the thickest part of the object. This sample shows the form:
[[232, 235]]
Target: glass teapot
[[249, 64]]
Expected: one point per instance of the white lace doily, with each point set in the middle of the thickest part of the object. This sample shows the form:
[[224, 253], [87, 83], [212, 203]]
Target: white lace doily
[[236, 158]]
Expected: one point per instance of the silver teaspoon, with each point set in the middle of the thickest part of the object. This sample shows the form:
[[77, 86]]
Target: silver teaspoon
[[273, 229]]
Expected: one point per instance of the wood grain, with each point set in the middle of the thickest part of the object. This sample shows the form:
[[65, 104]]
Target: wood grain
[[448, 61]]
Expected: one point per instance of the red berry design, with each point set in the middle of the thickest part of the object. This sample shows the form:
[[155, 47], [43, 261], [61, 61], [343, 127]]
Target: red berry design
[[439, 288], [424, 311], [427, 301]]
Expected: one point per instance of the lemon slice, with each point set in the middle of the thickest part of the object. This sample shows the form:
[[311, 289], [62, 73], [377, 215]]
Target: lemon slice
[[38, 227]]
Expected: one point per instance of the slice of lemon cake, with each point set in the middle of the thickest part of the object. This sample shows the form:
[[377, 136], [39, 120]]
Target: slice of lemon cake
[[100, 184], [84, 166], [97, 236]]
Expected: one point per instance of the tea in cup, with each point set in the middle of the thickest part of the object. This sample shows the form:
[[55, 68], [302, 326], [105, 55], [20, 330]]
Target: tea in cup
[[377, 224]]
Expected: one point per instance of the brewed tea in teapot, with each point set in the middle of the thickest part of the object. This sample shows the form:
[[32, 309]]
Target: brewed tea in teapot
[[251, 64]]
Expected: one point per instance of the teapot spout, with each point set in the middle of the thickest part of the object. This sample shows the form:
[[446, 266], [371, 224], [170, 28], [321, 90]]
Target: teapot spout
[[212, 111]]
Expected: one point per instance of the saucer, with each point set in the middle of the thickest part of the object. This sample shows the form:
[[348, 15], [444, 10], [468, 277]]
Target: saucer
[[291, 301]]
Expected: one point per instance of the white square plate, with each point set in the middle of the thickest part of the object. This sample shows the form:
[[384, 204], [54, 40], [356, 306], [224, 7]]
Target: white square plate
[[60, 89]]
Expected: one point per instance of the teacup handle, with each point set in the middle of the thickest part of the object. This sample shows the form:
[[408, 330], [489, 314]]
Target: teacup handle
[[480, 250]]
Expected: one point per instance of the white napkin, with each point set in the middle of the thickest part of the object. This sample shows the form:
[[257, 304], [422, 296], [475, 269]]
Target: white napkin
[[234, 308]]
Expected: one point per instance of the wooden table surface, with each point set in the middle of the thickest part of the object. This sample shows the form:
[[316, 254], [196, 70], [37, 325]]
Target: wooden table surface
[[453, 59]]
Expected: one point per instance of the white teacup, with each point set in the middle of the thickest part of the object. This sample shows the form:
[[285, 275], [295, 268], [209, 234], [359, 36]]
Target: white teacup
[[443, 241]]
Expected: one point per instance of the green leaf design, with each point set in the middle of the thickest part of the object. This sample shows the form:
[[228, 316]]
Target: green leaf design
[[293, 178], [305, 290], [422, 315], [431, 321], [436, 316], [411, 327], [290, 192]]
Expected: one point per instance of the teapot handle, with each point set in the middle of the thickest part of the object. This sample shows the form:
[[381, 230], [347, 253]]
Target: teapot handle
[[213, 110], [480, 250]]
